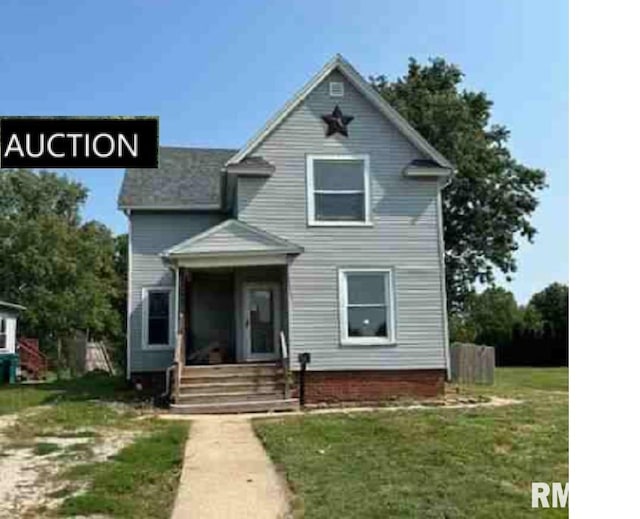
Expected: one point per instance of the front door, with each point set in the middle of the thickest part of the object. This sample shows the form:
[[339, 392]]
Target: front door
[[261, 312]]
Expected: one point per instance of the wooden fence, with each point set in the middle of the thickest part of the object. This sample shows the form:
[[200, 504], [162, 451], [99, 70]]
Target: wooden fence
[[472, 364]]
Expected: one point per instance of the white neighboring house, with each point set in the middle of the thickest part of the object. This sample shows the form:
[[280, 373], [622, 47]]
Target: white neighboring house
[[8, 320]]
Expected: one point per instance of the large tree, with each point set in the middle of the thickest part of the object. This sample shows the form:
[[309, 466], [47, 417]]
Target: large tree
[[492, 314], [489, 203], [552, 304], [60, 269]]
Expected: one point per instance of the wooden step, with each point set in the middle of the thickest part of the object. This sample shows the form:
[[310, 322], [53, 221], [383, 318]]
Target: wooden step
[[281, 404], [213, 388], [217, 369], [229, 377], [204, 398]]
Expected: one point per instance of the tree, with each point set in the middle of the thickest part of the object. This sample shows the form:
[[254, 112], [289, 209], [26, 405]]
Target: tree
[[62, 271], [492, 196], [552, 304], [120, 260], [531, 318], [494, 313]]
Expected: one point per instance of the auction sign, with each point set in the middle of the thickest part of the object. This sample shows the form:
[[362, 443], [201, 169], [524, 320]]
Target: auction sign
[[78, 142]]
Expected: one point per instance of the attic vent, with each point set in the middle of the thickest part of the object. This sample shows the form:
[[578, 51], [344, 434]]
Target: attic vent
[[336, 89]]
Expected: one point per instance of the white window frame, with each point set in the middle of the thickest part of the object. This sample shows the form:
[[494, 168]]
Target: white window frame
[[390, 289], [311, 199], [145, 318], [336, 89]]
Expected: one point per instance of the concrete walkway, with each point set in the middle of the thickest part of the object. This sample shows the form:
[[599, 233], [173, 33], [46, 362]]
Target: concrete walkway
[[227, 473]]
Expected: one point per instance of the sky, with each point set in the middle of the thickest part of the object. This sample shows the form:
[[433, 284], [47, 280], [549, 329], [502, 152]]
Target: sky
[[214, 72]]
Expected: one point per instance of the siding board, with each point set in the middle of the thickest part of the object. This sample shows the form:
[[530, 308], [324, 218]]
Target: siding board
[[404, 235], [152, 233]]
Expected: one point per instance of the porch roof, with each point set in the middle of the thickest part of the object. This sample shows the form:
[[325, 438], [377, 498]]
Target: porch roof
[[232, 238]]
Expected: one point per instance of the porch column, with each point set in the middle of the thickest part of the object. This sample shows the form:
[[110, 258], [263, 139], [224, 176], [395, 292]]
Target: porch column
[[178, 310]]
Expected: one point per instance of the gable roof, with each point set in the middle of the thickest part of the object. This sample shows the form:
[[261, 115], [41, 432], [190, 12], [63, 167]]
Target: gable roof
[[341, 64], [233, 237], [186, 178]]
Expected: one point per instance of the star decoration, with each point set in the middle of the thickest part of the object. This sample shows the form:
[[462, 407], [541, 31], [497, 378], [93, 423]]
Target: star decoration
[[337, 122]]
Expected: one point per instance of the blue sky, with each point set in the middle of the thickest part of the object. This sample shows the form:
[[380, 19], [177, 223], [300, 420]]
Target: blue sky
[[214, 72]]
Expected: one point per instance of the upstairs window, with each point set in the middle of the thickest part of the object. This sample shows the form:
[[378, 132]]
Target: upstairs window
[[338, 190], [158, 315], [367, 315]]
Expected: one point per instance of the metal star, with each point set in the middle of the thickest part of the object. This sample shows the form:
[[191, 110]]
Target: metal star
[[337, 122]]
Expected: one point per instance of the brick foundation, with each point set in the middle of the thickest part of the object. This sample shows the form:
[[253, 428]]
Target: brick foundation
[[371, 386]]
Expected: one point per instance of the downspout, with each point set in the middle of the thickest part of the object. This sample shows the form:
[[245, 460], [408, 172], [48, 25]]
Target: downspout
[[443, 286]]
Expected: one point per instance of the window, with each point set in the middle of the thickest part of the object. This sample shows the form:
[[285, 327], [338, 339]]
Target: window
[[158, 317], [336, 88], [3, 333], [367, 307], [338, 190]]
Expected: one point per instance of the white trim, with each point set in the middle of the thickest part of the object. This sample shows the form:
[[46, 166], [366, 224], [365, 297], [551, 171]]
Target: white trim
[[443, 286], [311, 199], [341, 64], [277, 319], [129, 295], [282, 245], [201, 207], [336, 89], [390, 303], [237, 260], [145, 318], [176, 299]]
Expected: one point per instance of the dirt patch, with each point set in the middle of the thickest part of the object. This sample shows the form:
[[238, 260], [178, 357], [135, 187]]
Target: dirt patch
[[30, 486]]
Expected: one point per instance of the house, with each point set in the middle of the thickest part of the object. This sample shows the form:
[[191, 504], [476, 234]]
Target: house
[[8, 357], [322, 235]]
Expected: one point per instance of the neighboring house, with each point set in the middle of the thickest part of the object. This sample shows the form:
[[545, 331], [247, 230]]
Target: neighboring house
[[324, 232], [8, 357]]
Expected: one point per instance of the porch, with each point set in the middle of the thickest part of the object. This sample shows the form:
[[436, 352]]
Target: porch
[[232, 315], [231, 321]]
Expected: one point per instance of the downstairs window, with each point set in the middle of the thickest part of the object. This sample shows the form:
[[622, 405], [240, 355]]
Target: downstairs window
[[367, 313], [158, 316]]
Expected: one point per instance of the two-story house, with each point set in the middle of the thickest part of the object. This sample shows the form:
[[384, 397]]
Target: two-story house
[[322, 235]]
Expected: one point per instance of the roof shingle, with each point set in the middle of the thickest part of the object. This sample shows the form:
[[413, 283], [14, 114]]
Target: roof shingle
[[186, 178]]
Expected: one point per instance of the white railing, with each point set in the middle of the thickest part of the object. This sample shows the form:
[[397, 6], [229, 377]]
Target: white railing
[[284, 358]]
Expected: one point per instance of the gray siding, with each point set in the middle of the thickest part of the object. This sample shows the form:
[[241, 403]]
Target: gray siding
[[150, 234], [404, 235]]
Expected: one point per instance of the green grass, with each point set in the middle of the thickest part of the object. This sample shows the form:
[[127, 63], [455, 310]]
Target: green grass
[[44, 448], [439, 463], [93, 386], [69, 419], [548, 379], [140, 481]]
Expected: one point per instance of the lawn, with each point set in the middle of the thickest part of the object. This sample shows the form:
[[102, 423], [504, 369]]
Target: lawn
[[93, 386], [87, 447], [438, 463]]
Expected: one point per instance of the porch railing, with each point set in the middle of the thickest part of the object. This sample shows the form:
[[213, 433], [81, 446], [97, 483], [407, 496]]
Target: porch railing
[[284, 358], [32, 359]]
